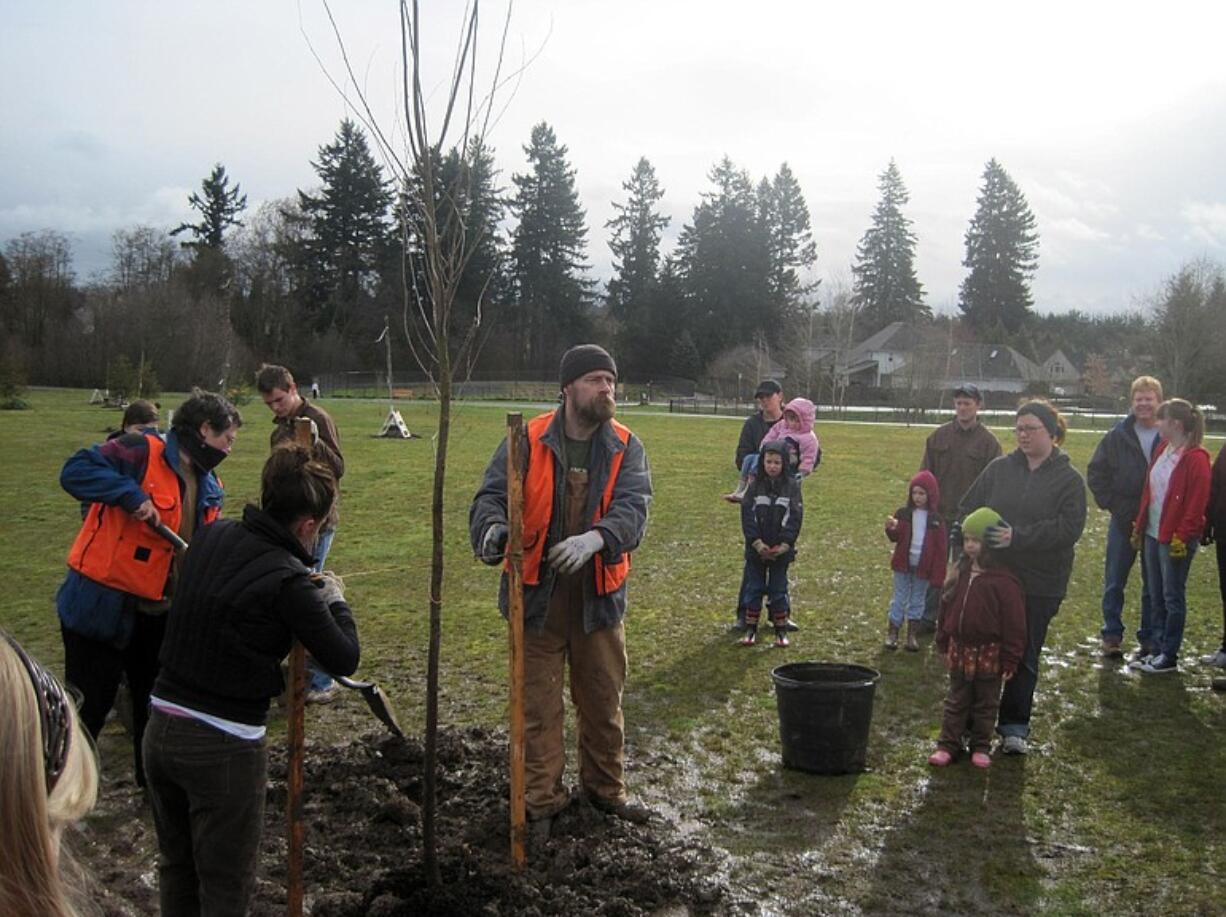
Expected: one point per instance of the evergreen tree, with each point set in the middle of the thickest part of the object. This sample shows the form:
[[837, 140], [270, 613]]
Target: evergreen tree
[[1001, 255], [785, 218], [219, 206], [724, 263], [635, 243], [547, 251], [348, 237], [886, 288]]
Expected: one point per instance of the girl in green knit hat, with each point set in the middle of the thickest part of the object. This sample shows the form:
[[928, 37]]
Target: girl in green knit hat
[[981, 633]]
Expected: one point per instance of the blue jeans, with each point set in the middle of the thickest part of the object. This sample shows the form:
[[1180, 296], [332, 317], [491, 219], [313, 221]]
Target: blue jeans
[[1017, 700], [770, 579], [1168, 582], [317, 679], [1118, 564], [206, 789], [909, 594]]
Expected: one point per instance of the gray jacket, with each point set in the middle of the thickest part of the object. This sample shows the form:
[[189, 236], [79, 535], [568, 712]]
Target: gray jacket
[[622, 527]]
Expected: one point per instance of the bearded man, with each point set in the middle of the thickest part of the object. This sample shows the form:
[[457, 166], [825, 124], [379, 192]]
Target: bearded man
[[587, 489]]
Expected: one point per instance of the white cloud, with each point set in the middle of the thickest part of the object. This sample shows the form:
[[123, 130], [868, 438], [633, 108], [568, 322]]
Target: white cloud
[[1207, 222]]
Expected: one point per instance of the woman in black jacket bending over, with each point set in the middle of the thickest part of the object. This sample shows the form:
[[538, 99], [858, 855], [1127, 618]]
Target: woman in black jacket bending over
[[244, 595]]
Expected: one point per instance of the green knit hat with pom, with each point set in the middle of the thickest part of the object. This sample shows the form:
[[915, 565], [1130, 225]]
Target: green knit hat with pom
[[977, 523]]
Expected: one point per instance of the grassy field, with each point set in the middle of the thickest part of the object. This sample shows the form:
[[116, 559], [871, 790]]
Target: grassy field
[[1118, 809]]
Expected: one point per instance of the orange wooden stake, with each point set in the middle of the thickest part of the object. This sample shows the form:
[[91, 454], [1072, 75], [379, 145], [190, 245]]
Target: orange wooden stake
[[515, 607], [297, 749]]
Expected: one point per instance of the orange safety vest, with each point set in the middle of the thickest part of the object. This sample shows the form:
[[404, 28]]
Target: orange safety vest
[[115, 549], [538, 506]]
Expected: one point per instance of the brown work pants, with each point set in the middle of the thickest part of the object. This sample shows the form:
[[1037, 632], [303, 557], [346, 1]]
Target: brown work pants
[[597, 675], [975, 700]]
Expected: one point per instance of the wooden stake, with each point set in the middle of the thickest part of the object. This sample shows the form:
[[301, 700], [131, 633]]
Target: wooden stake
[[296, 735], [515, 608]]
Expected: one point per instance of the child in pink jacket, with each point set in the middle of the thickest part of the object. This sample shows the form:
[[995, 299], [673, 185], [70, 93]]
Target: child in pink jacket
[[796, 429]]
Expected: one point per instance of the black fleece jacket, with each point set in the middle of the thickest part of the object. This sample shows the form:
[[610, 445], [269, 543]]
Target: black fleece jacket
[[1047, 510], [1117, 470], [243, 596]]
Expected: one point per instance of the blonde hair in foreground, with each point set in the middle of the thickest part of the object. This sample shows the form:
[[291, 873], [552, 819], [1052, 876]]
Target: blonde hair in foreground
[[31, 884]]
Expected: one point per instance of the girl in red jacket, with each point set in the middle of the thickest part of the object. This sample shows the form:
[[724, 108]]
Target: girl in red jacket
[[920, 552], [981, 632], [1169, 524]]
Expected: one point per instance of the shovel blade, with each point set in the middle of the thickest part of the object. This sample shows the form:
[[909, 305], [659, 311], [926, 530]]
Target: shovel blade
[[381, 707]]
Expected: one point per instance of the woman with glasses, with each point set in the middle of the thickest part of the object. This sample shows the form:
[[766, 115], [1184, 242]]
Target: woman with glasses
[[1042, 499]]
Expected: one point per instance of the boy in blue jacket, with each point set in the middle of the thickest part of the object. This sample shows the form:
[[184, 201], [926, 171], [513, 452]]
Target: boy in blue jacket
[[771, 515]]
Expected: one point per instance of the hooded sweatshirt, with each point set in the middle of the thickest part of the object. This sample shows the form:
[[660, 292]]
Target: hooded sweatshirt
[[981, 631], [935, 550], [1046, 508], [773, 509], [805, 438]]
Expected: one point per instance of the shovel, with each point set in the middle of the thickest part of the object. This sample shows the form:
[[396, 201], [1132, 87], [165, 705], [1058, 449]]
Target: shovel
[[379, 705]]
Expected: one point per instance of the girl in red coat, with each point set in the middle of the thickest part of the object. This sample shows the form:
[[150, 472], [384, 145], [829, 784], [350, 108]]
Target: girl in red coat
[[920, 552], [1169, 524], [981, 632]]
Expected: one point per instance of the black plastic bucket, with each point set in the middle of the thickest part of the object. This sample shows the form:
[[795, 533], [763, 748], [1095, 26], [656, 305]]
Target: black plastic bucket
[[825, 709]]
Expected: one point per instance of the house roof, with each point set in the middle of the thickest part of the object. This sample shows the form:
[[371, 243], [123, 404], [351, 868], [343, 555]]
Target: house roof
[[896, 336], [990, 361]]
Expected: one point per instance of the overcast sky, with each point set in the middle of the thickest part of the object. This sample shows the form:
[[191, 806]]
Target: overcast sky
[[1111, 120]]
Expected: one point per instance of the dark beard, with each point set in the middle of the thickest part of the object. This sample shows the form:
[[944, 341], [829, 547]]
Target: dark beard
[[599, 410]]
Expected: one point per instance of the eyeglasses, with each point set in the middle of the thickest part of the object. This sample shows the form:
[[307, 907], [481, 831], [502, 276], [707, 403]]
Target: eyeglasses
[[1027, 429]]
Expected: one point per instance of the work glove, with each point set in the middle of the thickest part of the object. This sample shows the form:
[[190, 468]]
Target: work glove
[[331, 587], [762, 548], [1207, 537], [1134, 540], [570, 555], [494, 544], [780, 549], [999, 536], [1179, 550], [314, 433]]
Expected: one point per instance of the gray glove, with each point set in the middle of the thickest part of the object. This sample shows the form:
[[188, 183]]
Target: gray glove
[[314, 432], [331, 587], [570, 555], [494, 544]]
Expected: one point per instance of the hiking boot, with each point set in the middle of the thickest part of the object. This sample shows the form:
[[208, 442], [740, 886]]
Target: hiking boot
[[1216, 659], [751, 636], [537, 831], [941, 758], [1013, 745], [1158, 665], [891, 637], [981, 759], [912, 644], [739, 494], [627, 811], [781, 638], [1111, 648], [323, 696], [1141, 657]]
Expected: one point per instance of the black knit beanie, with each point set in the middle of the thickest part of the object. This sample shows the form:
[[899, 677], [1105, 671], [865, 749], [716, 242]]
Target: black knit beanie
[[1044, 414], [583, 359]]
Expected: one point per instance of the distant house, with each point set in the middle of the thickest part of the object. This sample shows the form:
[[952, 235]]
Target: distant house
[[1063, 373], [903, 357]]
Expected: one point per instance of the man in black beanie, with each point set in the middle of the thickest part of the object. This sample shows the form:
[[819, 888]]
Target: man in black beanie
[[575, 568]]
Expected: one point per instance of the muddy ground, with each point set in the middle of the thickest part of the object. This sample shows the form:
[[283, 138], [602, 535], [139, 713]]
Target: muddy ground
[[364, 843]]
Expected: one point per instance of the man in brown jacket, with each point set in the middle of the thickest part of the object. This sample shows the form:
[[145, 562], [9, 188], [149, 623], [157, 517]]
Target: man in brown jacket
[[279, 391], [956, 453]]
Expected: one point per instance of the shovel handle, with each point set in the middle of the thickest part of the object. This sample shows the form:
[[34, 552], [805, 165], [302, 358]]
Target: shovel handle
[[164, 530]]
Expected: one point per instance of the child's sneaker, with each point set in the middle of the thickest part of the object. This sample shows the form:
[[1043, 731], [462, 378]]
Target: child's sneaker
[[981, 759], [781, 638], [751, 636], [940, 758]]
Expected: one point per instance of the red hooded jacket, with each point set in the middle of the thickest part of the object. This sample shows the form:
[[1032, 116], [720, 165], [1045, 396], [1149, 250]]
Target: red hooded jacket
[[1187, 497], [935, 552], [981, 631]]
